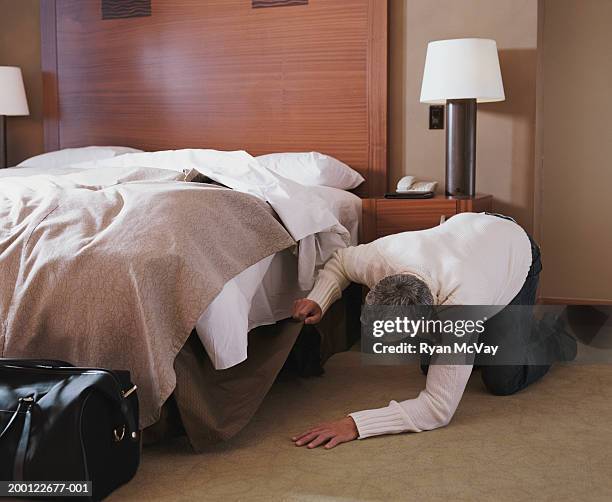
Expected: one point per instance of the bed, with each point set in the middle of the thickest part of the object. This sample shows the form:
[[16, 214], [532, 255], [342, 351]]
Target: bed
[[224, 76], [113, 262]]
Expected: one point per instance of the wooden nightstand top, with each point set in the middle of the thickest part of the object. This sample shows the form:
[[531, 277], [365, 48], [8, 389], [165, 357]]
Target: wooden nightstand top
[[391, 216], [477, 197]]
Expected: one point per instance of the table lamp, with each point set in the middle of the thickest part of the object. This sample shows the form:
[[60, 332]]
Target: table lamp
[[12, 102], [461, 73]]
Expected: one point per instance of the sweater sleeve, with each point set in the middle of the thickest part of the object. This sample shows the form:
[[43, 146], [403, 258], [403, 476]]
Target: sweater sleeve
[[433, 408], [335, 277]]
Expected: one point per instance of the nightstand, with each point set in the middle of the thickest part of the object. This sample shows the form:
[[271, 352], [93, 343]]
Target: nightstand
[[390, 216]]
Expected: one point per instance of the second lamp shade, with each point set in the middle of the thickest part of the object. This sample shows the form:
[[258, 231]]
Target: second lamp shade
[[12, 94]]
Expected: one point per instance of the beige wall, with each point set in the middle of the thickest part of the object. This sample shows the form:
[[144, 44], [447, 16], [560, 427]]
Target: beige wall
[[575, 192], [506, 131], [572, 185], [20, 46]]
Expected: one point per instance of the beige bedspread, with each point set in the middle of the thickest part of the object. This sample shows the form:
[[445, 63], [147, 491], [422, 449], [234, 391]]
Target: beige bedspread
[[113, 267]]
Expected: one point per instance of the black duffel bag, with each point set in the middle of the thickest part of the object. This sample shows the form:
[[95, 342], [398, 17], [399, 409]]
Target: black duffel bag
[[62, 423]]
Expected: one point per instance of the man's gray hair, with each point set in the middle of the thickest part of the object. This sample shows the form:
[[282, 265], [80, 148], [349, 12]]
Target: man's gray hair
[[400, 289]]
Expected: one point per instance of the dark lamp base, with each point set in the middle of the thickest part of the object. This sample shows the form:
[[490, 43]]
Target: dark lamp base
[[461, 147]]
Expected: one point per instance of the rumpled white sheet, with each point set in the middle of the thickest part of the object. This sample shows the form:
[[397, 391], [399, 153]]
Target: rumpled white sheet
[[305, 215]]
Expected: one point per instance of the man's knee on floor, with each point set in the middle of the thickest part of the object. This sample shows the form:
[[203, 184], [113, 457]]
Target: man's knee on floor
[[502, 381], [500, 388]]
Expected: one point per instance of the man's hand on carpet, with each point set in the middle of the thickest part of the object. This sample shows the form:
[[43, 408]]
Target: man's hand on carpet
[[307, 310], [331, 434]]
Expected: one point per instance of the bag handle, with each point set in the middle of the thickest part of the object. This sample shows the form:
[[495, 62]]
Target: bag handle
[[22, 446], [12, 419], [24, 440]]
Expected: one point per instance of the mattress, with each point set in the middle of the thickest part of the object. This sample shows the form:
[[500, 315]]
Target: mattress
[[264, 293]]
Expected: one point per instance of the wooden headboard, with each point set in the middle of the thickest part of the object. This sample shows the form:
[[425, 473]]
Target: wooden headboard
[[221, 74]]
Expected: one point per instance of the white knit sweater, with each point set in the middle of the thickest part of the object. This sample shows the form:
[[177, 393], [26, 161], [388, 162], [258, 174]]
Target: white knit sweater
[[471, 259]]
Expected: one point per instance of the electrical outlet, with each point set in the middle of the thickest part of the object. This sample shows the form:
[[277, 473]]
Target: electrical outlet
[[436, 117]]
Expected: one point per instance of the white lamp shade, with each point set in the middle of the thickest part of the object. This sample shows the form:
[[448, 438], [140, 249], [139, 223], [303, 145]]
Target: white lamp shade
[[12, 93], [464, 68]]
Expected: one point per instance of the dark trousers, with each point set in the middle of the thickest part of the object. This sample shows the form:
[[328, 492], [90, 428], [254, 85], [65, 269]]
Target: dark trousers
[[512, 330], [504, 380]]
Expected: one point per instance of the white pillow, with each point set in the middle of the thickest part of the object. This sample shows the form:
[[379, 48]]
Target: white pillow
[[312, 168], [68, 156]]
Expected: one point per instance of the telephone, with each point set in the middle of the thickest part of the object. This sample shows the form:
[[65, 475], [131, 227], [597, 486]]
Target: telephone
[[409, 188], [405, 183]]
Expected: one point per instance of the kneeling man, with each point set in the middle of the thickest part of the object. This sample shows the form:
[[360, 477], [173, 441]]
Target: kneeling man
[[471, 259]]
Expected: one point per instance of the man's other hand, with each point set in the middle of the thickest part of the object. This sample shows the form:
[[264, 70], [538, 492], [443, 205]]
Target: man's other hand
[[306, 310], [331, 434]]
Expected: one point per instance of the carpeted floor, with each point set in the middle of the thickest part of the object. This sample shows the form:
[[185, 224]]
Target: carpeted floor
[[550, 442]]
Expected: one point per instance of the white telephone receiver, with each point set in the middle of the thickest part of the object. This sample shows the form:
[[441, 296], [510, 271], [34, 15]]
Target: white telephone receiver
[[404, 184], [409, 184]]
